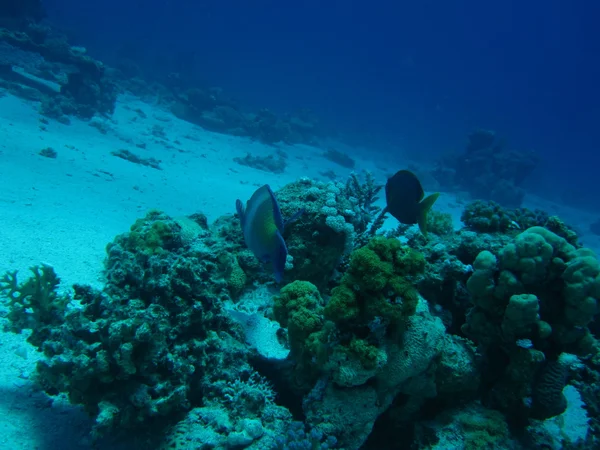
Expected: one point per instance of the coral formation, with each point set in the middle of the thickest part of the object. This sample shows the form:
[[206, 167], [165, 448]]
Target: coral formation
[[84, 85], [534, 300], [487, 170], [489, 217], [18, 14], [441, 342], [266, 163], [334, 216], [210, 109], [339, 158]]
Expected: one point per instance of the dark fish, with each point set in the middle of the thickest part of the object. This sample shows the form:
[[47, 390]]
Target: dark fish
[[262, 225], [404, 196]]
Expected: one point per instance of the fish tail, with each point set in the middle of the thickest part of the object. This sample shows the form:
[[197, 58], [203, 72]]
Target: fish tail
[[425, 206]]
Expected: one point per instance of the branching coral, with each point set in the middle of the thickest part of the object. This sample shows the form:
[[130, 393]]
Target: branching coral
[[34, 304]]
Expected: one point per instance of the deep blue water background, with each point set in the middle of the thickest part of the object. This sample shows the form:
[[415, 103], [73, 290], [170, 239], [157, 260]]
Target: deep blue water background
[[414, 75]]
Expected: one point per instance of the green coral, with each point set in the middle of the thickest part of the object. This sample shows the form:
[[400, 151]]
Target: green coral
[[367, 354], [298, 307], [537, 266], [377, 283], [582, 287], [534, 300], [486, 217], [376, 287], [236, 278], [153, 234]]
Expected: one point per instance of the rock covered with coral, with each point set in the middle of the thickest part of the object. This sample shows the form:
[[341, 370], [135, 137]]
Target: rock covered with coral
[[335, 217], [373, 340], [155, 341]]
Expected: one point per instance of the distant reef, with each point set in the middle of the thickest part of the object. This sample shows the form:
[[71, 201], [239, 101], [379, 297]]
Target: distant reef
[[488, 170], [20, 13], [37, 62]]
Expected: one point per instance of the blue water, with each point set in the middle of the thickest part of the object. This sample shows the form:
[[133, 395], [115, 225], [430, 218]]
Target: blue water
[[415, 75]]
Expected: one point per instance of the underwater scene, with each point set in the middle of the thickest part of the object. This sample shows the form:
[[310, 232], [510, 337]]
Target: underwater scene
[[273, 225]]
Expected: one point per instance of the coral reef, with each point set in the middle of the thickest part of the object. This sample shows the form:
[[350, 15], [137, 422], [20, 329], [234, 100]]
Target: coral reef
[[269, 163], [335, 216], [154, 342], [476, 338], [339, 158], [533, 301], [210, 109], [489, 217], [19, 14], [83, 86], [487, 170]]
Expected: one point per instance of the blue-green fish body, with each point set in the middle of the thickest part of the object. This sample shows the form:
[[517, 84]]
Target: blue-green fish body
[[263, 225]]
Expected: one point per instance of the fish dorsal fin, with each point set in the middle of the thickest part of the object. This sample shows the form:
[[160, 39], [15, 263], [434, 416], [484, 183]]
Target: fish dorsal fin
[[241, 210], [424, 208]]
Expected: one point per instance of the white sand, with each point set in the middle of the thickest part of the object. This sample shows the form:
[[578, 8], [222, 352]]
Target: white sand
[[64, 211]]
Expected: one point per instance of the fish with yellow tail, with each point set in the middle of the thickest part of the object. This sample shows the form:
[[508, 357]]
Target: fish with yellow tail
[[262, 226], [405, 200]]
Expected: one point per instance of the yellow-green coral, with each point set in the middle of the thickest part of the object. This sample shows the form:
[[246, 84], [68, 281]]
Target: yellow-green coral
[[377, 284], [151, 234], [237, 278], [298, 307], [366, 353]]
